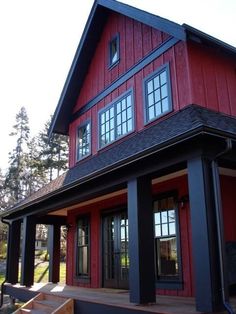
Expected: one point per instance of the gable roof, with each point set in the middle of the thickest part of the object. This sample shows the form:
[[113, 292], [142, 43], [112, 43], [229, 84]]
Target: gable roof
[[180, 126], [90, 37]]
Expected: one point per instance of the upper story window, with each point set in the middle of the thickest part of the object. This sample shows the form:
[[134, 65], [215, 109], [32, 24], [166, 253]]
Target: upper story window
[[83, 141], [116, 120], [114, 54], [157, 94]]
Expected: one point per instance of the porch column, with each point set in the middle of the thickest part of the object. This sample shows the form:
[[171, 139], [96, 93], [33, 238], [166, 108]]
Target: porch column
[[28, 252], [204, 236], [13, 251], [54, 234], [141, 241]]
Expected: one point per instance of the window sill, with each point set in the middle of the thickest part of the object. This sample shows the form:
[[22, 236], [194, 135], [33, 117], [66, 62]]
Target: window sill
[[112, 65], [82, 279]]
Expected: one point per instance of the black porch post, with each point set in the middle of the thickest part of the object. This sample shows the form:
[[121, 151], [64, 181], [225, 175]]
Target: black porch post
[[141, 241], [28, 252], [204, 236], [13, 251], [54, 253]]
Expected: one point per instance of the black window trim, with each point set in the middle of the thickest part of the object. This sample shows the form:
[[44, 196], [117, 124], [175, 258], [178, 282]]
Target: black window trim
[[171, 283], [83, 277], [110, 63], [86, 122], [160, 69], [108, 106]]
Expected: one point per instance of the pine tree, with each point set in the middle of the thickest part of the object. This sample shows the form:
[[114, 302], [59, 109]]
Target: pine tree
[[16, 177], [54, 152]]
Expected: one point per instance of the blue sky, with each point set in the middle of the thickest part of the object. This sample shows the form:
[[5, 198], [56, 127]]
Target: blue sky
[[39, 39]]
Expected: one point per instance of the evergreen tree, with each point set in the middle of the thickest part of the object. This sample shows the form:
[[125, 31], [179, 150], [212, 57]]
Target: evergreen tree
[[3, 196], [16, 177], [54, 152]]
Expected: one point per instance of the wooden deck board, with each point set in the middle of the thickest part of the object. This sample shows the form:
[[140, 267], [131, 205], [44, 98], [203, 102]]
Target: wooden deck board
[[118, 298]]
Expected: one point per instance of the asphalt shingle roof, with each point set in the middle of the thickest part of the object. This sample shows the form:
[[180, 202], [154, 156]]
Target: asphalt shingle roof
[[192, 118]]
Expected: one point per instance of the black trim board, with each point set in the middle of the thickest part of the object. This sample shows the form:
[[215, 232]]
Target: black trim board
[[126, 76]]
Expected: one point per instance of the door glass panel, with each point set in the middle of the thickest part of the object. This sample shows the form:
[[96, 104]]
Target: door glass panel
[[124, 258], [109, 259]]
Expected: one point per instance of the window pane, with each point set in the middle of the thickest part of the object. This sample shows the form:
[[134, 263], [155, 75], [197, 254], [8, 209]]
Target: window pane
[[129, 102], [157, 95], [124, 128], [150, 87], [167, 259], [123, 104], [157, 230], [156, 82], [158, 108], [171, 215], [119, 130], [172, 230], [118, 108], [150, 100], [164, 217], [164, 91], [165, 105], [163, 77], [151, 113], [157, 218], [164, 229], [130, 125], [112, 135], [102, 118], [129, 113], [123, 115]]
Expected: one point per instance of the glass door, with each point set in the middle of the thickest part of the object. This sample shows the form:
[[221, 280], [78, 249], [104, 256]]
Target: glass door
[[115, 251]]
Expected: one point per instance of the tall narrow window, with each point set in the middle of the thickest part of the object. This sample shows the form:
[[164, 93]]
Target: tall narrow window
[[83, 141], [157, 94], [166, 244], [83, 247], [114, 50], [116, 120]]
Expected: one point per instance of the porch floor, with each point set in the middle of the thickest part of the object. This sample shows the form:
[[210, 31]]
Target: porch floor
[[117, 298]]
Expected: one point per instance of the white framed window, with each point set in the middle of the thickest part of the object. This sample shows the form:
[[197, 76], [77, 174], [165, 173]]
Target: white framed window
[[157, 94], [83, 140], [116, 120]]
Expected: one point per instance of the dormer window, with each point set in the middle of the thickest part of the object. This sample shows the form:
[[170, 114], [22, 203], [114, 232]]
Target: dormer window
[[83, 141], [114, 51]]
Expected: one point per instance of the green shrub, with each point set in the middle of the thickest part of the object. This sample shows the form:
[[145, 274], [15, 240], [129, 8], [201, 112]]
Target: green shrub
[[3, 250]]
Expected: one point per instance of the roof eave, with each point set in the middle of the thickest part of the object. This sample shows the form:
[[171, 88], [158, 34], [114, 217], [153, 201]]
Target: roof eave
[[193, 33]]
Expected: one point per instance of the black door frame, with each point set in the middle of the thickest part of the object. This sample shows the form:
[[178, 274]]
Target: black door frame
[[117, 282]]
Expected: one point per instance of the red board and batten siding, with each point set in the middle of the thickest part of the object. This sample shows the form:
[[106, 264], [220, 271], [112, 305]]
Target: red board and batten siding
[[136, 41], [213, 78], [95, 212]]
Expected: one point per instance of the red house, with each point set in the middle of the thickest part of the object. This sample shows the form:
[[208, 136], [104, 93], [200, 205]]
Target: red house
[[149, 198]]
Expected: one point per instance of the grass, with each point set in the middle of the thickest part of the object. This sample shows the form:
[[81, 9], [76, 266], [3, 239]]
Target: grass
[[2, 278], [41, 272]]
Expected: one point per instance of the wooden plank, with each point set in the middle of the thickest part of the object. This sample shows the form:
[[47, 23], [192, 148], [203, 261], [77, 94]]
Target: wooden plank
[[65, 308]]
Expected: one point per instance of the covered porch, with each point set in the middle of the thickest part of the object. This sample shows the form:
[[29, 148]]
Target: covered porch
[[202, 161]]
